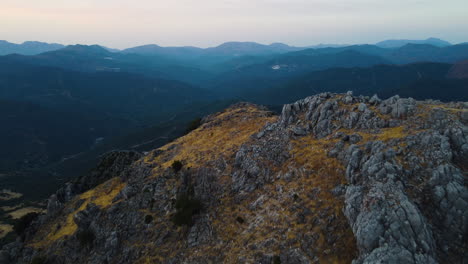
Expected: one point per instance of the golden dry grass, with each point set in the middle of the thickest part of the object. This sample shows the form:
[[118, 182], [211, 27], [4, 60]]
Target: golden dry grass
[[385, 134], [101, 196], [446, 108], [5, 229], [6, 195], [24, 211], [423, 110], [277, 216], [322, 173], [219, 138], [11, 208]]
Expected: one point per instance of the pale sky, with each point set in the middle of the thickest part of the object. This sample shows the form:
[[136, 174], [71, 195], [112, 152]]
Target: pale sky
[[204, 23]]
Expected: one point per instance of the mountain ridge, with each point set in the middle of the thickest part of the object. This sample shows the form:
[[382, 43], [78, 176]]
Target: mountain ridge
[[245, 48], [396, 43], [304, 186], [27, 47]]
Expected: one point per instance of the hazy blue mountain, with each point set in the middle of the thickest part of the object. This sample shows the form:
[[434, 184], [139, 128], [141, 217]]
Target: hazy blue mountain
[[419, 80], [196, 65], [396, 43], [95, 58], [121, 93], [110, 49], [228, 49], [211, 58], [408, 53], [235, 49], [183, 53], [322, 46], [27, 48], [364, 49], [411, 53], [284, 67], [34, 47], [237, 63], [292, 63]]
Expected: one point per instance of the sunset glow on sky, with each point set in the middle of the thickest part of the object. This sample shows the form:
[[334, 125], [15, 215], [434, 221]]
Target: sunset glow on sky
[[125, 23]]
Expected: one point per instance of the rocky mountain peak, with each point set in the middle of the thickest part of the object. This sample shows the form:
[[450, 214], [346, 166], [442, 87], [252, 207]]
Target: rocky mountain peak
[[334, 178]]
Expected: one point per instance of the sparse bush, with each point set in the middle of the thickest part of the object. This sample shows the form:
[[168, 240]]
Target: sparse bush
[[148, 219], [295, 197], [194, 124], [186, 207], [23, 223], [276, 260], [240, 220], [177, 165], [86, 237]]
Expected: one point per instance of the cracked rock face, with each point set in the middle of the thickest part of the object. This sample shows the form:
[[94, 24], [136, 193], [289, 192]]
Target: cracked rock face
[[335, 178]]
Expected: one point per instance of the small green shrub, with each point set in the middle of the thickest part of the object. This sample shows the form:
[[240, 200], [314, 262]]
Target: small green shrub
[[186, 208], [295, 197], [21, 224], [148, 219], [177, 165]]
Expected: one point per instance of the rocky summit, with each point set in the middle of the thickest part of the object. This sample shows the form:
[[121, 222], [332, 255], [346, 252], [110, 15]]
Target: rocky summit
[[335, 178]]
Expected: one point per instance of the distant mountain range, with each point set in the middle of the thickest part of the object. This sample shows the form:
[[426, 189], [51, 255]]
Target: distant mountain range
[[269, 72], [289, 65], [122, 94], [408, 53], [397, 43], [27, 48], [229, 70], [418, 80], [232, 49], [98, 59]]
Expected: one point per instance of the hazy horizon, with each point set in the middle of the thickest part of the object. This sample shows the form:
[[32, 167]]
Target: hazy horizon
[[218, 44], [207, 23]]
